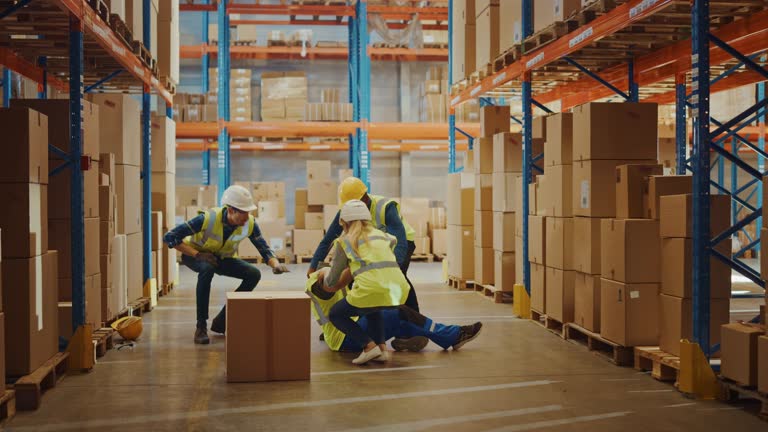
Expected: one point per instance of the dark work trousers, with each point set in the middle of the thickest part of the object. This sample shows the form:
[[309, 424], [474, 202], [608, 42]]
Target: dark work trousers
[[412, 302], [230, 267], [341, 315]]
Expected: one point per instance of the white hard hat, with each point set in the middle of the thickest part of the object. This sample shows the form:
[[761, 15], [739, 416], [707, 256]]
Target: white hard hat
[[355, 210], [238, 197]]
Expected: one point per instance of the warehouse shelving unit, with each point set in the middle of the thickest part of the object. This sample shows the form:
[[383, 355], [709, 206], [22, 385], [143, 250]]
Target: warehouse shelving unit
[[650, 48], [358, 53], [53, 45]]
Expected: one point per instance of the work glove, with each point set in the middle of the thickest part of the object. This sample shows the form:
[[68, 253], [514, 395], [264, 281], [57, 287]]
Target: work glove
[[280, 269], [207, 258]]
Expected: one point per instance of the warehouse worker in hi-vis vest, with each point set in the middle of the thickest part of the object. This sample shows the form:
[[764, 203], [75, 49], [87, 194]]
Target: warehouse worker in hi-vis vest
[[386, 217], [209, 243]]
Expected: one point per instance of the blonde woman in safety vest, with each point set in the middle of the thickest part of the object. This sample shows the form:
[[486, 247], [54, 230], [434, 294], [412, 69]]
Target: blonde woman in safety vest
[[364, 254], [209, 243]]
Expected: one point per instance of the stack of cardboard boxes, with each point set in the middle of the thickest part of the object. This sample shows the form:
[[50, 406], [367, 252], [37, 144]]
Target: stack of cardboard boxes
[[112, 249], [548, 12], [434, 96], [270, 215], [315, 208], [463, 39], [164, 195], [461, 225], [168, 35], [438, 232], [330, 107], [240, 94], [416, 212], [487, 23], [507, 168], [284, 96], [191, 107], [29, 276]]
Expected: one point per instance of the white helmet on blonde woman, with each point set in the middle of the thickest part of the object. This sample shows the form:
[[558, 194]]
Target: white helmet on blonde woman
[[238, 197], [355, 210]]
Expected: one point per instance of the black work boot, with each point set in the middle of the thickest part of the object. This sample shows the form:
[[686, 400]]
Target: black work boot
[[201, 336], [412, 344], [468, 333], [219, 323]]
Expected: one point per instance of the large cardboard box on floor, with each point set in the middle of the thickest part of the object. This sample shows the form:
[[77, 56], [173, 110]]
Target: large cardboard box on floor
[[268, 336], [440, 241], [537, 240], [738, 352], [24, 227], [630, 184], [676, 215], [322, 192], [27, 145], [484, 229], [119, 127], [461, 259], [306, 241], [31, 312], [538, 288], [163, 144], [484, 270], [504, 231], [128, 190], [676, 321], [594, 187], [586, 245], [677, 269], [599, 126], [558, 148], [630, 250], [559, 294], [629, 313], [559, 249], [504, 192], [659, 186], [586, 305], [494, 119]]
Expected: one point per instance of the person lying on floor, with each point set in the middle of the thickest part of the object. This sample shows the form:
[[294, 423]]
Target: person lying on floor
[[411, 330]]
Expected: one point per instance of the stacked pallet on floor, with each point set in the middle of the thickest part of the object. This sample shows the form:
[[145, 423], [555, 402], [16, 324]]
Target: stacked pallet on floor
[[163, 201]]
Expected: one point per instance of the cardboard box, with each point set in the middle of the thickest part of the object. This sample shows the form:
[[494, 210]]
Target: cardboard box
[[119, 299], [301, 197], [59, 201], [487, 27], [599, 126], [586, 306], [27, 145], [676, 215], [556, 199], [503, 231], [107, 200], [322, 192], [630, 185], [484, 192], [313, 221], [537, 239], [134, 267], [306, 241], [269, 211], [594, 187], [107, 236], [677, 269], [119, 113], [586, 245], [540, 192], [106, 270], [440, 242], [659, 186], [329, 214], [422, 246], [157, 231], [676, 321], [163, 144], [539, 129], [505, 192], [538, 292], [629, 313], [61, 240], [484, 271], [510, 13], [461, 252], [268, 336], [518, 205], [2, 350], [560, 246], [507, 152], [504, 271], [128, 191], [484, 229], [318, 170], [494, 119], [738, 352], [518, 260], [484, 154], [558, 148], [762, 361], [630, 250], [25, 228], [560, 294], [460, 203], [31, 312], [437, 218], [207, 196]]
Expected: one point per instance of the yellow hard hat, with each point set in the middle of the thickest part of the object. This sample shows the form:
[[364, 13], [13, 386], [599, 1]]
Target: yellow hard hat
[[351, 188], [129, 327]]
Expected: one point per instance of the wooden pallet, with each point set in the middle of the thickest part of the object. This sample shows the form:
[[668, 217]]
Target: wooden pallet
[[423, 257], [168, 83], [121, 30], [142, 53], [101, 8], [481, 73], [7, 406], [330, 44], [389, 45], [104, 340], [507, 58], [591, 11], [548, 35], [30, 388], [460, 284], [615, 353], [251, 43], [555, 326], [537, 317], [496, 295], [663, 366], [732, 391], [140, 306], [438, 257], [435, 45]]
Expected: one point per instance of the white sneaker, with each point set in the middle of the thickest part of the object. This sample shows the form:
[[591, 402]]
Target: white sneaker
[[365, 357], [385, 356]]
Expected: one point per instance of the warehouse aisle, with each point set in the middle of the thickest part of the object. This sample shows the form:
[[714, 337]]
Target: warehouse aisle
[[515, 377]]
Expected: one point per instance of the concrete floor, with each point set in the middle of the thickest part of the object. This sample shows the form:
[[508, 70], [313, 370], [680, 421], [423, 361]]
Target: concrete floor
[[515, 377]]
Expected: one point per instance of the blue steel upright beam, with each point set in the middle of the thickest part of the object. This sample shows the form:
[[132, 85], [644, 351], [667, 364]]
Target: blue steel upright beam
[[634, 87], [146, 156], [43, 94], [364, 85], [760, 158], [701, 173], [681, 133], [77, 211], [223, 90], [6, 87], [353, 92], [734, 180], [451, 113], [527, 15], [206, 155]]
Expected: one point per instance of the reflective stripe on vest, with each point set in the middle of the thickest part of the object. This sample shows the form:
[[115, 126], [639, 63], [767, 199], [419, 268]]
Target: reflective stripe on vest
[[209, 235], [374, 266], [379, 212], [351, 252], [322, 320], [244, 234]]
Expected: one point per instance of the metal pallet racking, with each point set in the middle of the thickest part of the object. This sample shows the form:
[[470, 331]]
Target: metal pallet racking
[[53, 44]]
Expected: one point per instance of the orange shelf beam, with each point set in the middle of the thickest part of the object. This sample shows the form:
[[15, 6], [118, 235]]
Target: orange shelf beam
[[12, 61], [326, 146], [316, 53], [319, 22], [730, 82], [386, 131]]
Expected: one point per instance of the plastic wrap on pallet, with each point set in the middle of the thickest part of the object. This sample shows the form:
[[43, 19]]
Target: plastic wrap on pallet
[[412, 35]]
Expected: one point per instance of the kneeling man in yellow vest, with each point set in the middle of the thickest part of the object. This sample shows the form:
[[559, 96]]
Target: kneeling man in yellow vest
[[209, 243]]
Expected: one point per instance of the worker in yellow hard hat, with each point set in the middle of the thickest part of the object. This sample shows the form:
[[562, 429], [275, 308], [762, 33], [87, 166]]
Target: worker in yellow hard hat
[[209, 243], [385, 216]]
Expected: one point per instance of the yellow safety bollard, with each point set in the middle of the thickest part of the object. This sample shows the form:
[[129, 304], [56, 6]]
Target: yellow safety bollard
[[696, 376], [521, 302]]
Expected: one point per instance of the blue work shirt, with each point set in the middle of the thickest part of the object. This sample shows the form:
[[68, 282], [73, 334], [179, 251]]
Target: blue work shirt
[[394, 227], [193, 226]]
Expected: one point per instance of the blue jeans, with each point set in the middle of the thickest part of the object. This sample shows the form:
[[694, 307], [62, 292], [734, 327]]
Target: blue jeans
[[230, 267], [341, 315], [397, 325]]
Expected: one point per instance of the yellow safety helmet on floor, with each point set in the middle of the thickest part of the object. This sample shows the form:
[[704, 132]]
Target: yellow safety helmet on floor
[[351, 188], [129, 327]]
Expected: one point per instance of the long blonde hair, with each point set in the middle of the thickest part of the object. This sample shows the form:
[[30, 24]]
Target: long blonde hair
[[356, 231]]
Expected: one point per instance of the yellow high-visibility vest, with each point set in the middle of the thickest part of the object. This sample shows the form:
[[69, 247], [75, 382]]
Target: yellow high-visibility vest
[[210, 238], [378, 211]]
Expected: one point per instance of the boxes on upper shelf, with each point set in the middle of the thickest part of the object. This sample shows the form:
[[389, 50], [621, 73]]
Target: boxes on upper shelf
[[599, 126]]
